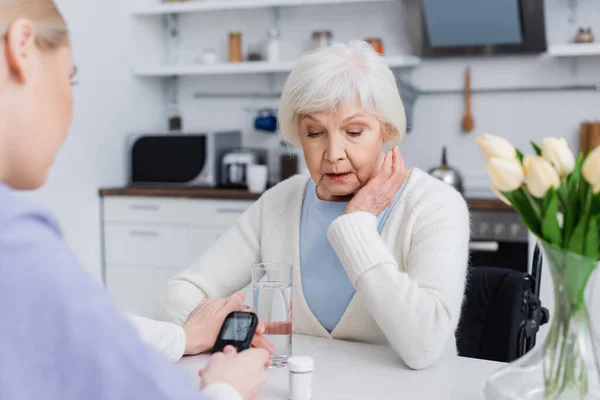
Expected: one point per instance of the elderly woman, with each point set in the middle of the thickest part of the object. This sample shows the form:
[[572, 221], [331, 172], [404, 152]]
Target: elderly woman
[[379, 252]]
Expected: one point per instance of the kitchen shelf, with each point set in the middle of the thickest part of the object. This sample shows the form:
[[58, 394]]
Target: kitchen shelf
[[574, 50], [249, 67], [215, 5]]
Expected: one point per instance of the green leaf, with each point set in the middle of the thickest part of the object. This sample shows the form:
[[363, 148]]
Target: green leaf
[[596, 205], [520, 156], [536, 148], [563, 194], [546, 199], [575, 178], [591, 239], [576, 276], [550, 228], [572, 206], [523, 207], [577, 242], [584, 187]]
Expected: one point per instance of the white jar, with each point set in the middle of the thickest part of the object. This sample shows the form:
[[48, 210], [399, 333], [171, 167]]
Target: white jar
[[273, 46], [301, 369], [209, 56]]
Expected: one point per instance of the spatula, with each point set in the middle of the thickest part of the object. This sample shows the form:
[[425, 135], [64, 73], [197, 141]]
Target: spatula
[[468, 123]]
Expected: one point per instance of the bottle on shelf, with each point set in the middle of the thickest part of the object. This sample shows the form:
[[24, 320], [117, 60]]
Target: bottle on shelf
[[376, 43], [321, 39], [235, 47], [273, 46]]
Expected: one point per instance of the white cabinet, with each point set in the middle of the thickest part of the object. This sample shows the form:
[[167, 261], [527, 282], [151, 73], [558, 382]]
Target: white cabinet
[[146, 244], [137, 288], [148, 240]]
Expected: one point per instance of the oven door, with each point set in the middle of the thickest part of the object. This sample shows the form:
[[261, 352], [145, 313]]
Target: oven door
[[501, 254]]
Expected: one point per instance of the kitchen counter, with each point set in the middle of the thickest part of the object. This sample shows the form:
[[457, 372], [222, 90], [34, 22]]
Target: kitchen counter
[[187, 192], [357, 371], [237, 194]]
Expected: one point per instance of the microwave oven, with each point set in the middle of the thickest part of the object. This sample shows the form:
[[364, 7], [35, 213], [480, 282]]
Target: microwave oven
[[191, 159]]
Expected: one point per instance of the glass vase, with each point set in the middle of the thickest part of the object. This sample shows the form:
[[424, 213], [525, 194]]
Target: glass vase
[[565, 366]]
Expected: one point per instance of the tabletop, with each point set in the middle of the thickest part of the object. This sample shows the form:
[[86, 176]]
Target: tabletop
[[357, 371]]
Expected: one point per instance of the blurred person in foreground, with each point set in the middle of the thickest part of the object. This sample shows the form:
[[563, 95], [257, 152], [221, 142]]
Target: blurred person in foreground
[[62, 336]]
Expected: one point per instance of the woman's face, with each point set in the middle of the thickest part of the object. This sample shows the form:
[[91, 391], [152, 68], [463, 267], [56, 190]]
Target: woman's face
[[342, 150], [41, 107]]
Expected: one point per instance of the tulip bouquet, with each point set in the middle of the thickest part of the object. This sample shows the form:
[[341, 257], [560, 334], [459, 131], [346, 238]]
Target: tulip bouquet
[[558, 199]]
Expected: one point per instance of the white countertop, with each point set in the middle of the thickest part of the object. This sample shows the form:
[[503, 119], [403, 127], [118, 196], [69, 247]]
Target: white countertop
[[356, 371]]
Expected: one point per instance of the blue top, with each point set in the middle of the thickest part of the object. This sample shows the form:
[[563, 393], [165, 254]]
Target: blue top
[[325, 284], [62, 338]]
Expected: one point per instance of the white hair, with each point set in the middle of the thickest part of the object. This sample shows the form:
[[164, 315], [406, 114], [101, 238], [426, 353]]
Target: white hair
[[338, 76]]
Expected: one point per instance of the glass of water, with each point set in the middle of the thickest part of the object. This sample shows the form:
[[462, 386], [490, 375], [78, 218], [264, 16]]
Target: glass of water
[[272, 300]]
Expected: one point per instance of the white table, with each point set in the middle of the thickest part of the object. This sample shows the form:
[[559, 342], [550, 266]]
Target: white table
[[356, 371]]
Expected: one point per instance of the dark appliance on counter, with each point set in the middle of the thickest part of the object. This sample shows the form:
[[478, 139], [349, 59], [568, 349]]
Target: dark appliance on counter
[[179, 159], [483, 27], [502, 311], [234, 166]]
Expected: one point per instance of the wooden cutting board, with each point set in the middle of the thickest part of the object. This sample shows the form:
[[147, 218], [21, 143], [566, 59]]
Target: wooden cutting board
[[589, 137], [593, 136]]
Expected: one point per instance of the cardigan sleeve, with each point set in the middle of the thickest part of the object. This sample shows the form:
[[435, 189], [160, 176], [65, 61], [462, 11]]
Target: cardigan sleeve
[[419, 309], [221, 270], [166, 337]]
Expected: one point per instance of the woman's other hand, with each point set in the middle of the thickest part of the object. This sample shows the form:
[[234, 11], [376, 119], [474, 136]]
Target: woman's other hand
[[244, 371], [204, 323], [379, 192]]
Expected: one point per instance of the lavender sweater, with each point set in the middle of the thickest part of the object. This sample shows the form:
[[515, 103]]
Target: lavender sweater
[[61, 336]]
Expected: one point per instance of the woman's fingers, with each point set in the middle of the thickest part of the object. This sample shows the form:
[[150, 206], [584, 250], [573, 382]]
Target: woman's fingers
[[386, 169], [260, 328], [261, 342], [234, 303]]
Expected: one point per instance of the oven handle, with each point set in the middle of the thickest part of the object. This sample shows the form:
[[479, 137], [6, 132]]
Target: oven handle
[[484, 246]]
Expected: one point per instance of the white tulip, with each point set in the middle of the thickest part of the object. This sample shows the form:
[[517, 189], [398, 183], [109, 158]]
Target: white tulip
[[499, 194], [591, 168], [540, 176], [506, 175], [557, 151], [495, 146], [596, 189]]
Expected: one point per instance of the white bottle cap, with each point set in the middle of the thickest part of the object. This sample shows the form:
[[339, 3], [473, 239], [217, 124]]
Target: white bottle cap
[[300, 364]]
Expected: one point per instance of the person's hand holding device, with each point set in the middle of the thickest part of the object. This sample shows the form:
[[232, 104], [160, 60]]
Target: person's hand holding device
[[202, 326], [233, 362]]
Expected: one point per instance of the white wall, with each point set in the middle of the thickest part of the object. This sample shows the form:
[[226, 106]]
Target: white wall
[[109, 103]]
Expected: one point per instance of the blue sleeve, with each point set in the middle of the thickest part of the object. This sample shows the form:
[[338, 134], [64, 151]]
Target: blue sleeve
[[61, 336]]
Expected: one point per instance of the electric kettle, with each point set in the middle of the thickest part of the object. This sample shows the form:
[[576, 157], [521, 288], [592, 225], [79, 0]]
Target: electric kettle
[[447, 174]]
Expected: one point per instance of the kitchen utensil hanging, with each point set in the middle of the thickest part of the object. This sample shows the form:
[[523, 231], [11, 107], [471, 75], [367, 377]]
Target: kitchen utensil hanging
[[467, 122]]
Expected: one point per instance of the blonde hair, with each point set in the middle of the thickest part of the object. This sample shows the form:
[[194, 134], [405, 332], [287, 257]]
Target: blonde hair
[[51, 29], [335, 77]]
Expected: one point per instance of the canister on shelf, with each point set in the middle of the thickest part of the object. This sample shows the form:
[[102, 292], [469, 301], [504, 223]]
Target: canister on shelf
[[321, 39], [235, 47], [209, 56], [273, 45], [376, 43]]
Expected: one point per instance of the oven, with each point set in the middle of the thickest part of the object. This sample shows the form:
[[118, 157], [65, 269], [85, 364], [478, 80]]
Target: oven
[[498, 239]]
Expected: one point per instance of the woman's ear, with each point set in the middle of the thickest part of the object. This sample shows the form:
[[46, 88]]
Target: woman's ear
[[388, 130], [19, 47]]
